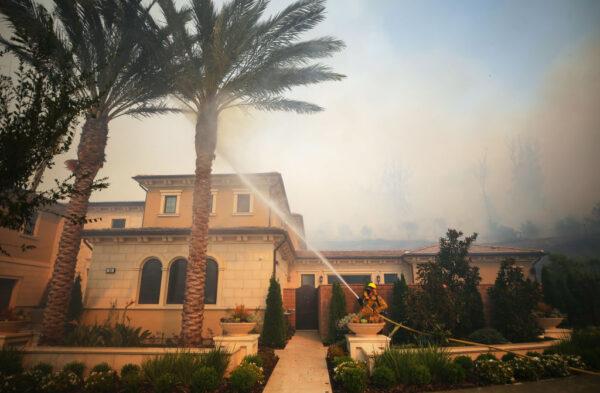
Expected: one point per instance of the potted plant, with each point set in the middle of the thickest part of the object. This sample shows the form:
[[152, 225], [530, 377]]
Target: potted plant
[[361, 325], [12, 321], [240, 322], [547, 317]]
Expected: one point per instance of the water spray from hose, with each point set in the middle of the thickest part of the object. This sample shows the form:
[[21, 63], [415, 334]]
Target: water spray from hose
[[285, 218]]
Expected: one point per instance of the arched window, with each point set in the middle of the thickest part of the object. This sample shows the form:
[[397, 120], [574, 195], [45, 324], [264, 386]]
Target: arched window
[[212, 279], [176, 287], [177, 274], [150, 282]]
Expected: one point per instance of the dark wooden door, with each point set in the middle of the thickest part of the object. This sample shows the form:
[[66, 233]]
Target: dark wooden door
[[306, 308]]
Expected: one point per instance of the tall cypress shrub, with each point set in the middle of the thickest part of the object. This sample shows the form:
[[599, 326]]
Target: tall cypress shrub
[[273, 332], [76, 302], [513, 300], [337, 310], [399, 309]]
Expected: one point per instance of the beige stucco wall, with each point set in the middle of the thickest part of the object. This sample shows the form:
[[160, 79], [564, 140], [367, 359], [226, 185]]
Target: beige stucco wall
[[224, 214], [244, 271], [352, 266]]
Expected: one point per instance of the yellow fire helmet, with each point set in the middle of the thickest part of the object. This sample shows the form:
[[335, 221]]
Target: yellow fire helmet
[[372, 285]]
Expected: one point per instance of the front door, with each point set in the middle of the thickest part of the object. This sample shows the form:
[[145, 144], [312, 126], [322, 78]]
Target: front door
[[306, 308]]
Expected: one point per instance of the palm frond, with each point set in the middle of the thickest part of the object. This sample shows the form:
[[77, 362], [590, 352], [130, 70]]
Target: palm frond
[[279, 104]]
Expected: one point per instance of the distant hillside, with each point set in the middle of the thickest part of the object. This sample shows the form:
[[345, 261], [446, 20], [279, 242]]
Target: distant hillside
[[584, 246]]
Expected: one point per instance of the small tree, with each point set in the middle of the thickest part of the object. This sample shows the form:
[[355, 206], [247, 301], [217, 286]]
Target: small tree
[[76, 302], [273, 332], [399, 308], [573, 286], [449, 284], [513, 299], [337, 310]]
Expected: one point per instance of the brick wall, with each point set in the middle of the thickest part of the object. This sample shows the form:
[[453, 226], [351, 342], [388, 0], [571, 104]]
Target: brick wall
[[289, 303]]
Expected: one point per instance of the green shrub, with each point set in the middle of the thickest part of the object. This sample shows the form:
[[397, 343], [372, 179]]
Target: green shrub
[[11, 361], [453, 374], [105, 335], [130, 368], [492, 372], [341, 359], [131, 382], [554, 366], [513, 299], [182, 365], [43, 368], [465, 362], [585, 343], [256, 359], [337, 310], [101, 368], [67, 382], [245, 377], [205, 379], [273, 333], [352, 376], [573, 286], [487, 336], [165, 383], [75, 367], [218, 359], [486, 356], [383, 377], [507, 357], [436, 359], [417, 374], [526, 369], [104, 381]]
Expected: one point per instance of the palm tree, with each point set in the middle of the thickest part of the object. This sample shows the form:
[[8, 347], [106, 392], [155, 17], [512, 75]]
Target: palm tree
[[111, 44], [232, 57]]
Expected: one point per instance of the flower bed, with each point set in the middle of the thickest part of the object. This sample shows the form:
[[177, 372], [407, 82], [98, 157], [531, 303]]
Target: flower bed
[[184, 370], [434, 368]]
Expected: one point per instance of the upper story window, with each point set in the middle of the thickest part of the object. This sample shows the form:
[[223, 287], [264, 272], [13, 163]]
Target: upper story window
[[117, 223], [242, 202], [212, 203], [150, 282], [31, 224], [170, 201]]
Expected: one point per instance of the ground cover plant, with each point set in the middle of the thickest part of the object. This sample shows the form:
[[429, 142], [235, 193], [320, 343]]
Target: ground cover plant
[[431, 368]]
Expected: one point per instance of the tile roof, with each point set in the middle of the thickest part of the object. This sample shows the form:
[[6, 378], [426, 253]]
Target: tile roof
[[149, 231], [343, 254], [478, 249]]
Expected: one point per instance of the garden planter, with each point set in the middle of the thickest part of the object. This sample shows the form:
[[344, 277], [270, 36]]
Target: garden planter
[[365, 329], [12, 326], [237, 328], [549, 323]]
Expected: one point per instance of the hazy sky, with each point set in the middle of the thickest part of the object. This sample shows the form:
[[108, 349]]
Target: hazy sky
[[434, 89]]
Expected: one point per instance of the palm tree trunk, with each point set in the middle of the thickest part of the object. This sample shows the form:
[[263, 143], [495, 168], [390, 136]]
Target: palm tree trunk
[[90, 155], [193, 304]]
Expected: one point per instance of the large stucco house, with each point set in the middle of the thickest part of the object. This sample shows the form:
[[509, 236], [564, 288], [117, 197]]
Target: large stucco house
[[139, 254]]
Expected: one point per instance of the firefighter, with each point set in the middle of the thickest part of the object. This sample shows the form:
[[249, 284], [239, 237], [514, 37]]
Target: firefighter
[[372, 304]]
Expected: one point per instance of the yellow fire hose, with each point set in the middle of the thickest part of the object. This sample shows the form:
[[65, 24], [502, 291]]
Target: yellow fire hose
[[399, 325]]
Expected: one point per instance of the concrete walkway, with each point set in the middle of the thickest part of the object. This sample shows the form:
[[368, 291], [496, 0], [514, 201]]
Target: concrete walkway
[[301, 367]]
